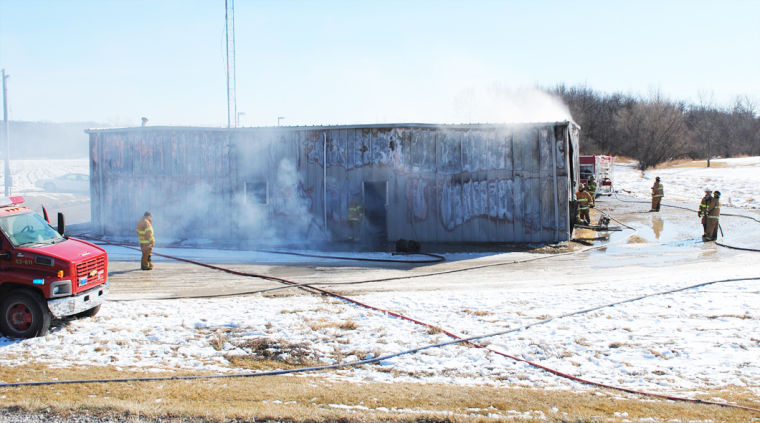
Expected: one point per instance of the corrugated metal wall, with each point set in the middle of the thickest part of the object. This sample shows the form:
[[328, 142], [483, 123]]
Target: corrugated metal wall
[[132, 171], [443, 184]]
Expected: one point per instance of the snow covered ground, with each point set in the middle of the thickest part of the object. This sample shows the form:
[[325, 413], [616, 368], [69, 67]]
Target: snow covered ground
[[25, 173], [736, 179], [683, 341]]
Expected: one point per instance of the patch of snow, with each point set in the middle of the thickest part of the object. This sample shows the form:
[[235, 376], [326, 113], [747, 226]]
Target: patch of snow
[[736, 179]]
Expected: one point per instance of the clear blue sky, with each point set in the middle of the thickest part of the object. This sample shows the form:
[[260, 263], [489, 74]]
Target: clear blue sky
[[363, 61]]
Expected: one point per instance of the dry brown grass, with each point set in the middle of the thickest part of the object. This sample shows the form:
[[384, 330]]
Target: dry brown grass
[[689, 164], [732, 316], [348, 325], [476, 312], [323, 323], [266, 354], [681, 163], [433, 330], [313, 398]]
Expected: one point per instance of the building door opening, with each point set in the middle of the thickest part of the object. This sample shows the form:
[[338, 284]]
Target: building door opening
[[375, 231]]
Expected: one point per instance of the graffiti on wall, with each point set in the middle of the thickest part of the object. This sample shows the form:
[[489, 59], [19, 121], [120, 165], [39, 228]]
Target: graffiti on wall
[[438, 177], [461, 202]]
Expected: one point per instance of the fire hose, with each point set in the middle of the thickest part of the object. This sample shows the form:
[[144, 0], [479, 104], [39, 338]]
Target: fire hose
[[457, 339]]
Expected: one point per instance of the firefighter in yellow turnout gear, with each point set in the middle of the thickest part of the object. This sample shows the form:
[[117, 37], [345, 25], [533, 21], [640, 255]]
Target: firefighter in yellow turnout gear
[[702, 212], [355, 216], [147, 241], [657, 193], [592, 186], [713, 214], [585, 202]]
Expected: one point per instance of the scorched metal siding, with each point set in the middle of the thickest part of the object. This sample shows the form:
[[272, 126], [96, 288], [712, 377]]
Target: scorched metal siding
[[441, 183]]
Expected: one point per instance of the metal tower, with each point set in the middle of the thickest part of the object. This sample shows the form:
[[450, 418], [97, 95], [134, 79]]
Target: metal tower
[[229, 27]]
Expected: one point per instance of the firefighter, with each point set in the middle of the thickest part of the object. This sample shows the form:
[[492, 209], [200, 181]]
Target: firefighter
[[355, 215], [585, 201], [657, 194], [702, 212], [713, 214], [147, 241], [592, 186]]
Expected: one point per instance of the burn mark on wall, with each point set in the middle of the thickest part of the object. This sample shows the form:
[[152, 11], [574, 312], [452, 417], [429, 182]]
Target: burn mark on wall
[[417, 191], [445, 183]]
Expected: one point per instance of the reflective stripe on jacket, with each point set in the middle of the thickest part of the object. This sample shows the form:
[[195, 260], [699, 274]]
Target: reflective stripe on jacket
[[657, 190], [584, 200], [703, 205], [713, 210], [145, 231], [355, 213]]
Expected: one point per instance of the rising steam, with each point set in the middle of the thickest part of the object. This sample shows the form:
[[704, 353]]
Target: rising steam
[[499, 104]]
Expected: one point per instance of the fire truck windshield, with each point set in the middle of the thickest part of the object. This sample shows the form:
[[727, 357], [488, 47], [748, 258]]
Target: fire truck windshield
[[23, 230]]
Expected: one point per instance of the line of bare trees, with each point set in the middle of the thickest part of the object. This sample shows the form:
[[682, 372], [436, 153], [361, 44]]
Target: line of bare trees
[[654, 130]]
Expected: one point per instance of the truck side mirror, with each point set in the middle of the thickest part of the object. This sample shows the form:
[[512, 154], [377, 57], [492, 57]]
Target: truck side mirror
[[6, 255], [61, 224]]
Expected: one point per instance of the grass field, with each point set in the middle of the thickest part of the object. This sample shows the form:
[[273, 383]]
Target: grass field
[[309, 397]]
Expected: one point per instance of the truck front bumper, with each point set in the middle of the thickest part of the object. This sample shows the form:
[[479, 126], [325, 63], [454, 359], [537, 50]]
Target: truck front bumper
[[83, 301]]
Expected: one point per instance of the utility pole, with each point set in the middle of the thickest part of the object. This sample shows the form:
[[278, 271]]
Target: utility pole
[[7, 138]]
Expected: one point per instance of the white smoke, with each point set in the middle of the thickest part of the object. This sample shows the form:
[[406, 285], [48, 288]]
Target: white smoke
[[499, 104], [459, 103], [272, 208]]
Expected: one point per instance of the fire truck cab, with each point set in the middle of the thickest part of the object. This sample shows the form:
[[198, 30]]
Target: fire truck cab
[[45, 274], [600, 167]]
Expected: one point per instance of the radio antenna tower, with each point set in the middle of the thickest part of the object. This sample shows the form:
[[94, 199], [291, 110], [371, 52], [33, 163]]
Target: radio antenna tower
[[229, 28]]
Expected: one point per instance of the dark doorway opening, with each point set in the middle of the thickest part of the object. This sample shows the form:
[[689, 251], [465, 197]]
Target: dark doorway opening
[[256, 192], [375, 212]]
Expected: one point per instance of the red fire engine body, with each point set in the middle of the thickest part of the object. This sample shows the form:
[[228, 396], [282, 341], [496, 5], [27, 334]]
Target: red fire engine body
[[601, 168], [44, 274]]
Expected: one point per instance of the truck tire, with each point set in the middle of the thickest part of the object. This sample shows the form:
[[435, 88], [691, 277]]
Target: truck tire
[[88, 313], [24, 315]]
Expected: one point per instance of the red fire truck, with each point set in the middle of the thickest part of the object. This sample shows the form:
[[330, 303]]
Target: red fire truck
[[601, 168], [45, 274]]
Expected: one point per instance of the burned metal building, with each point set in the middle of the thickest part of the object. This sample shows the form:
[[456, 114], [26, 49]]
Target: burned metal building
[[369, 184]]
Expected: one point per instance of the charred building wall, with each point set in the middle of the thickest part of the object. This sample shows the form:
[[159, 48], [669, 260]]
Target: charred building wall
[[368, 183]]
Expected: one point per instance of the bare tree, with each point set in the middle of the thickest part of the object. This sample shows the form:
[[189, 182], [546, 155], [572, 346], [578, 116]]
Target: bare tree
[[654, 131], [617, 123]]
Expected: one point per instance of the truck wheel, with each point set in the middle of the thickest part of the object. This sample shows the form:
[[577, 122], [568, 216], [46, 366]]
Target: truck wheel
[[88, 313], [23, 315]]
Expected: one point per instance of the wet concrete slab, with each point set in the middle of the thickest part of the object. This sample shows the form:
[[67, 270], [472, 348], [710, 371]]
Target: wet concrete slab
[[651, 245]]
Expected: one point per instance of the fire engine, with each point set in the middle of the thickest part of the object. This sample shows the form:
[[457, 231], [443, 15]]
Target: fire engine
[[44, 273], [601, 168]]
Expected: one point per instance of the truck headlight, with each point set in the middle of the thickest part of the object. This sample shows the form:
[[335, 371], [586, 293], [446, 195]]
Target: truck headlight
[[60, 288]]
